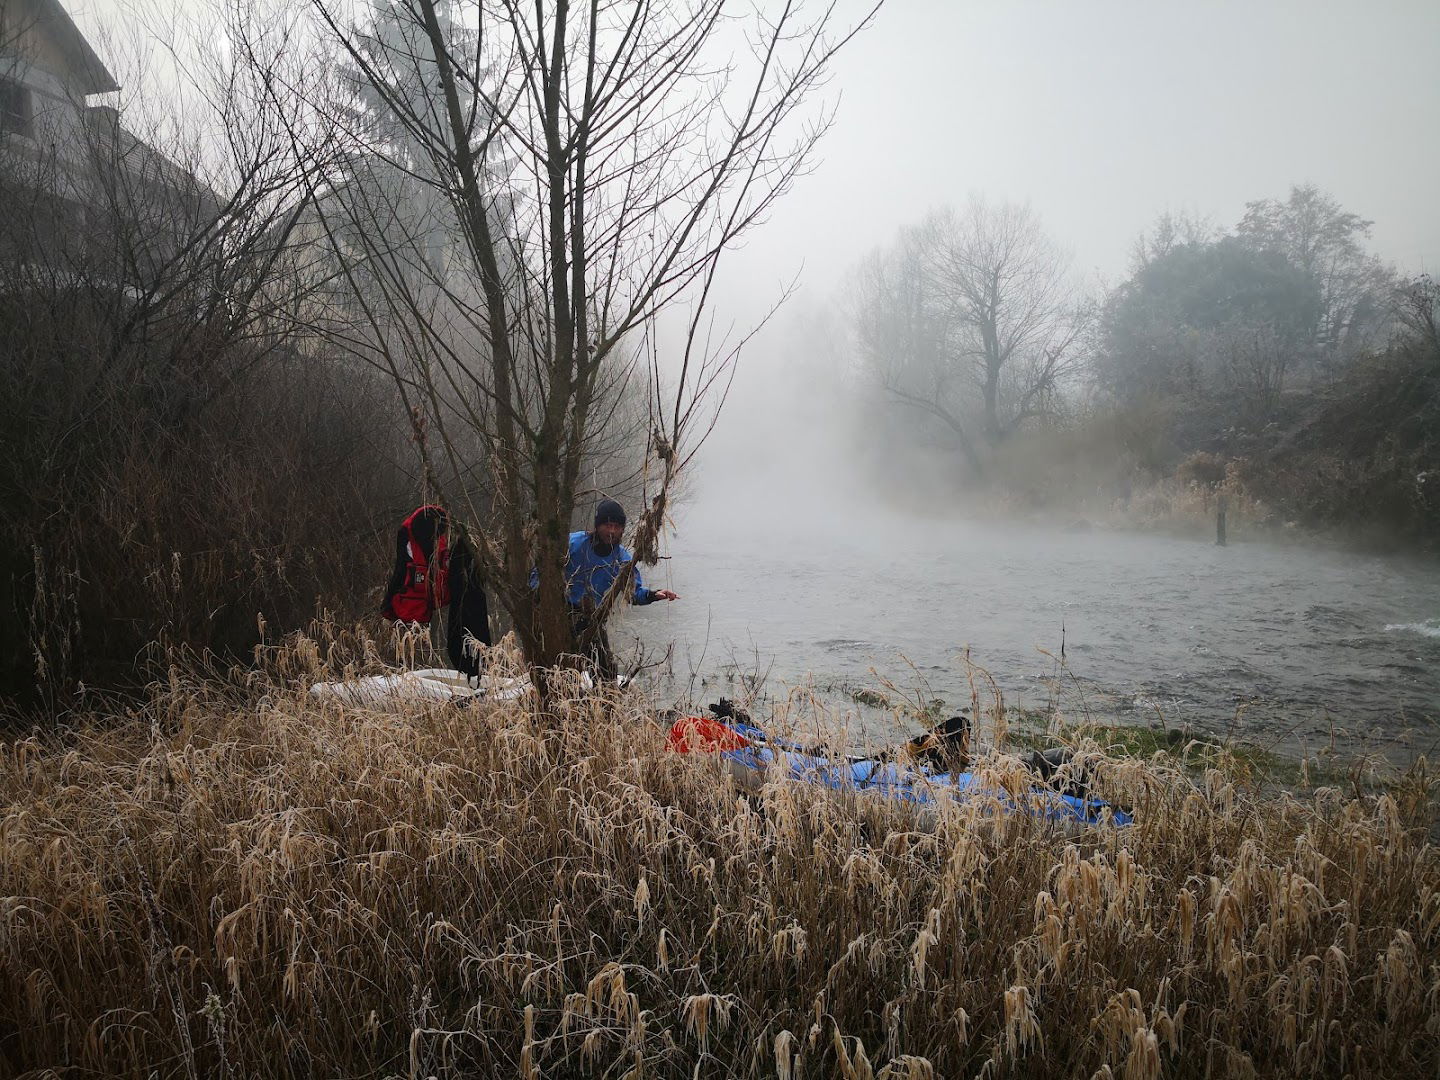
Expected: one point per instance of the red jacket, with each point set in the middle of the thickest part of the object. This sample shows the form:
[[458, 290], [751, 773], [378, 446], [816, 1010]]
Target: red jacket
[[421, 582]]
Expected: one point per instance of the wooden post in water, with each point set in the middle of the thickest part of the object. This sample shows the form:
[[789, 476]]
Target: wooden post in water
[[1220, 508]]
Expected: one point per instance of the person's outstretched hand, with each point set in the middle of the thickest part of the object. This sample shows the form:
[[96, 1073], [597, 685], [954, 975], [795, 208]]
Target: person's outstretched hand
[[666, 594]]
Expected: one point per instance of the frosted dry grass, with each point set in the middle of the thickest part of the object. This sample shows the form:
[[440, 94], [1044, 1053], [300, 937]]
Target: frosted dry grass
[[243, 881]]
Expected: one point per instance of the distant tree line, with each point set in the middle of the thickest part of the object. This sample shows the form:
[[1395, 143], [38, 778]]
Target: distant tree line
[[973, 322], [1290, 297]]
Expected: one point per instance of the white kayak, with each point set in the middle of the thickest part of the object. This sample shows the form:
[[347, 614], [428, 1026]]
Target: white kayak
[[430, 684], [425, 684]]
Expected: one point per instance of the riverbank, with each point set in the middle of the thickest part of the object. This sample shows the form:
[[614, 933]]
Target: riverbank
[[1178, 506], [238, 879]]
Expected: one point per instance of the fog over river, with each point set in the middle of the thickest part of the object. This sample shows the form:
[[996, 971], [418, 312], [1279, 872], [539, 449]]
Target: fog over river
[[1288, 647]]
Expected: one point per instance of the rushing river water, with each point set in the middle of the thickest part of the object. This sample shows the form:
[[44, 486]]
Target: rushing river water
[[1293, 648]]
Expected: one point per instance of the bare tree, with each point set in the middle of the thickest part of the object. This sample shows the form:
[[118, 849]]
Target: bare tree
[[592, 162], [1171, 230], [1417, 307], [972, 319], [1255, 360]]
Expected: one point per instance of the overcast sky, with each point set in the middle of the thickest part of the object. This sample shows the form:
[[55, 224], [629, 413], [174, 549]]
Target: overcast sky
[[1103, 113]]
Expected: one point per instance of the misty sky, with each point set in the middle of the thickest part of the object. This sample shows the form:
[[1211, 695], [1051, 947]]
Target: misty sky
[[1103, 113]]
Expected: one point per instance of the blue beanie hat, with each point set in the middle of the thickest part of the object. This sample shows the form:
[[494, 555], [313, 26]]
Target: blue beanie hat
[[609, 512]]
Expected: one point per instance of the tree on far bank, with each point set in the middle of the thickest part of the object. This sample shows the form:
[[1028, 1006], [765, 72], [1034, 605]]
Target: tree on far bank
[[1327, 244], [1205, 320], [971, 318], [1172, 229], [1289, 298], [1417, 307]]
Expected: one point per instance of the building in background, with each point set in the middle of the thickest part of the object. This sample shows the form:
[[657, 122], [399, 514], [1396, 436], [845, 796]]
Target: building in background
[[79, 194]]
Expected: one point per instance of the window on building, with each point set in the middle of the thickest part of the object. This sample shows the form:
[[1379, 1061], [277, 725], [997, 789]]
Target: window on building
[[17, 115]]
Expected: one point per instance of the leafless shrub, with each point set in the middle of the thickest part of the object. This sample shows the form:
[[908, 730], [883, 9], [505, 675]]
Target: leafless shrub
[[179, 456]]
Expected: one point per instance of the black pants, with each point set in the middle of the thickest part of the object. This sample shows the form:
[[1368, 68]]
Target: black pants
[[469, 612]]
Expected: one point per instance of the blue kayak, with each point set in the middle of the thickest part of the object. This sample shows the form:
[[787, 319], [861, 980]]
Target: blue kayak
[[753, 754]]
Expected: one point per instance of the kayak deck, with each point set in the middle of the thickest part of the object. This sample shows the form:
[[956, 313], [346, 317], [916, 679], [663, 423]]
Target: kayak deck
[[752, 754]]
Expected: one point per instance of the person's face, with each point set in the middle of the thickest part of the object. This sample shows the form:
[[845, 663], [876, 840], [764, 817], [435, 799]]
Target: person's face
[[609, 533]]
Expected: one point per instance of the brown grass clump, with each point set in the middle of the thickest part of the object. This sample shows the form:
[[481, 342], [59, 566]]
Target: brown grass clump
[[241, 880], [1189, 507]]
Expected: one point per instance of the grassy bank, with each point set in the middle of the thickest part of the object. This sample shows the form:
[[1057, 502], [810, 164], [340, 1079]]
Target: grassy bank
[[238, 880]]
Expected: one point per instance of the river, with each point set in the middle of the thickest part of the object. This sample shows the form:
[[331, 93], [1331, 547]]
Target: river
[[1297, 649]]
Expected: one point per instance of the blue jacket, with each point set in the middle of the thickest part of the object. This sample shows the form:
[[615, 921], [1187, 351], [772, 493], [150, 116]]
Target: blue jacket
[[586, 571]]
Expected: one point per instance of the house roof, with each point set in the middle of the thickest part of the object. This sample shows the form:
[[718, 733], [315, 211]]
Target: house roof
[[94, 77], [144, 163]]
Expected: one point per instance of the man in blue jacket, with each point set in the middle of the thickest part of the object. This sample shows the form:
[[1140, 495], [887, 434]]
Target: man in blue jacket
[[595, 561]]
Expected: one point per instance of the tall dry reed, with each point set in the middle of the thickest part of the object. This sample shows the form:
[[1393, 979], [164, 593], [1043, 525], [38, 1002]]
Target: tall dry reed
[[240, 880]]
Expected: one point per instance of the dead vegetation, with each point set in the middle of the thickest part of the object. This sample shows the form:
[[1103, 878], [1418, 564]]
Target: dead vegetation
[[240, 880]]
